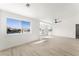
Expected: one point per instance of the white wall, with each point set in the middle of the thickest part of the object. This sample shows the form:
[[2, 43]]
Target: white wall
[[70, 17], [7, 41], [64, 29], [68, 12]]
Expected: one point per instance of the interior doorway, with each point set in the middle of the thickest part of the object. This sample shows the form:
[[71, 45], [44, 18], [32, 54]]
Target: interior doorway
[[77, 31], [45, 30]]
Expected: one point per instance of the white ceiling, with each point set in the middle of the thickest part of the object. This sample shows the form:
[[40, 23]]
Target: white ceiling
[[46, 11]]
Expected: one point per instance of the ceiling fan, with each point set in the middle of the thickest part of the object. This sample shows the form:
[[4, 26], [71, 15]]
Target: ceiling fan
[[57, 21]]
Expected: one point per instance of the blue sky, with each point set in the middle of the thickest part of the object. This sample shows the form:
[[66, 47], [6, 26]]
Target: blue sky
[[13, 23], [25, 25]]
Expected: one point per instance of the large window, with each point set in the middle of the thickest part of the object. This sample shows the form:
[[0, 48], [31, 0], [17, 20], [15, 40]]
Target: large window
[[17, 26]]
